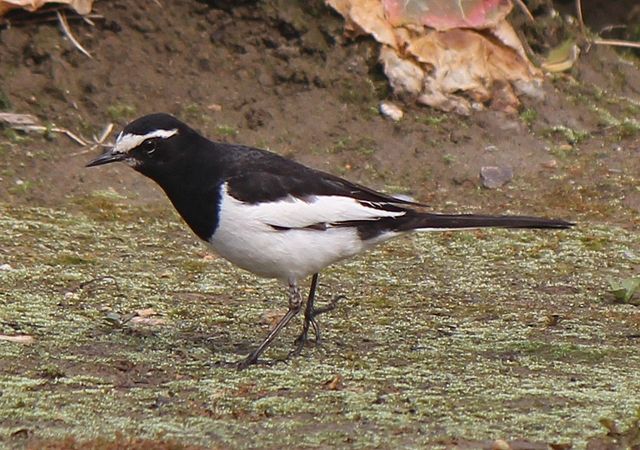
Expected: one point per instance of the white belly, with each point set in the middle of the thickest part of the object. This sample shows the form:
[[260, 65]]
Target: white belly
[[286, 255], [274, 240]]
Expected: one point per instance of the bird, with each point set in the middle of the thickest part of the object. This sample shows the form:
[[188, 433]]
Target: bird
[[273, 216]]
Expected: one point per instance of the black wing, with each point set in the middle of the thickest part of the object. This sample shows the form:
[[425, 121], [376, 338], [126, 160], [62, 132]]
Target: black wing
[[260, 176]]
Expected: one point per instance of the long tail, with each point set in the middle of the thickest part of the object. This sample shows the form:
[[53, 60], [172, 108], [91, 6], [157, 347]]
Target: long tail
[[426, 221]]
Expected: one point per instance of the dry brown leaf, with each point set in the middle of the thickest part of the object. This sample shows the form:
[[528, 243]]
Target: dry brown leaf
[[19, 339], [454, 70], [405, 76], [508, 36], [149, 321], [271, 317], [145, 316], [80, 6], [146, 312], [447, 14], [367, 16], [334, 384], [465, 60]]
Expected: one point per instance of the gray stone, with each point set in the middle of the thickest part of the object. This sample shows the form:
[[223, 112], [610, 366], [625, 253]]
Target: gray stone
[[495, 176]]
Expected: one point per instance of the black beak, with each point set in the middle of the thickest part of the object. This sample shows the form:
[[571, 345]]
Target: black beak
[[107, 157]]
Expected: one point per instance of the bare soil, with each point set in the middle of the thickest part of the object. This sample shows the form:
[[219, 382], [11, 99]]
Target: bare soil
[[281, 75]]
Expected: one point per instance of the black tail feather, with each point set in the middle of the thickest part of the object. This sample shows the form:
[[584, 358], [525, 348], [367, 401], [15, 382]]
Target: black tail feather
[[426, 220]]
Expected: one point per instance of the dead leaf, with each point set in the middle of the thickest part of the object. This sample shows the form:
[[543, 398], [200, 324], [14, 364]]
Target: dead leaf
[[146, 312], [464, 60], [457, 69], [562, 57], [82, 7], [405, 76], [335, 384], [149, 321], [18, 339], [447, 14], [366, 16], [271, 317]]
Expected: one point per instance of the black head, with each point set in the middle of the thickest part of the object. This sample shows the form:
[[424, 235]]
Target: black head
[[151, 144]]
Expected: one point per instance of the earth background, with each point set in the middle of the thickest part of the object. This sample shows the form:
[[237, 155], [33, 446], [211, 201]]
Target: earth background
[[281, 75]]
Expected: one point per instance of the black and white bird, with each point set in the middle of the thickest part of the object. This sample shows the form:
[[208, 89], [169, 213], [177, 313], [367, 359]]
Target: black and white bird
[[273, 216]]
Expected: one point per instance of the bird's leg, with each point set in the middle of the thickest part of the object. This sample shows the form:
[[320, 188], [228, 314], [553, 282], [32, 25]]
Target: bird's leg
[[308, 318], [310, 314], [295, 303]]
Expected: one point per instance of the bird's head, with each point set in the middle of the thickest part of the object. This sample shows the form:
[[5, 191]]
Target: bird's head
[[150, 144]]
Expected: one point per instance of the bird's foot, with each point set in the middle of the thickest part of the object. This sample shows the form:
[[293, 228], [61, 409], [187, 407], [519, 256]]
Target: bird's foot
[[311, 322]]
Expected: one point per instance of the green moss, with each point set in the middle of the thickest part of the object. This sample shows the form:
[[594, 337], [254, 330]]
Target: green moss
[[628, 128], [70, 260], [14, 136], [226, 131], [440, 335], [121, 112], [571, 135], [432, 120], [5, 103], [528, 116]]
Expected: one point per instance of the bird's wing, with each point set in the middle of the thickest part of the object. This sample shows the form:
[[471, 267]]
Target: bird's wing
[[311, 200]]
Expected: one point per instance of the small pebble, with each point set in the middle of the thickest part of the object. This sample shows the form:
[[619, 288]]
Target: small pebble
[[5, 267], [493, 176], [391, 111]]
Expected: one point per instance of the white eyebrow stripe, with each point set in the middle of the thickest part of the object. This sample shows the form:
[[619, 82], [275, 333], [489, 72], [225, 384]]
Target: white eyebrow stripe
[[127, 142]]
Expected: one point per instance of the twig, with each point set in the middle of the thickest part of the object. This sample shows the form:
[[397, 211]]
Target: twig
[[43, 129], [69, 134], [105, 133], [28, 123], [580, 19], [525, 10], [97, 141], [616, 42], [611, 27], [67, 32]]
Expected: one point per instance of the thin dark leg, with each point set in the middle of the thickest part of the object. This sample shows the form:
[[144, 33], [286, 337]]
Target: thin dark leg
[[308, 317], [310, 314], [295, 303]]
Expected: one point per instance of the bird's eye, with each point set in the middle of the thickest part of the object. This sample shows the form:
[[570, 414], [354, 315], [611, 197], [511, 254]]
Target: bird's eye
[[148, 147]]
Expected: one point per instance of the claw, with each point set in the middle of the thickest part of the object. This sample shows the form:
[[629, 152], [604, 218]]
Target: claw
[[310, 321]]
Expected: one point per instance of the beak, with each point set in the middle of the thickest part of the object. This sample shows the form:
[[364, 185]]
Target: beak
[[107, 157]]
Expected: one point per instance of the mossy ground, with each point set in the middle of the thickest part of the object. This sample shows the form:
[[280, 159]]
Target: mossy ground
[[475, 335]]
